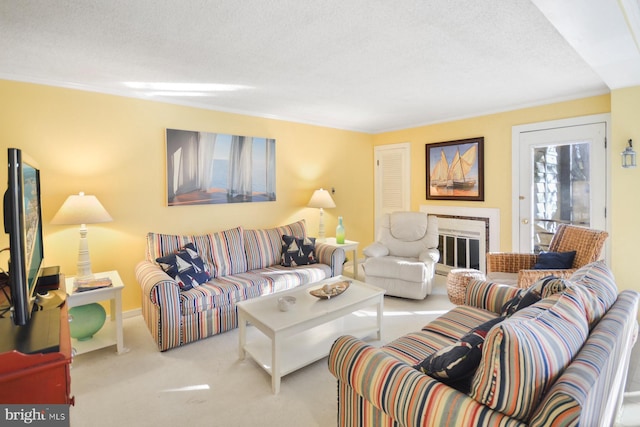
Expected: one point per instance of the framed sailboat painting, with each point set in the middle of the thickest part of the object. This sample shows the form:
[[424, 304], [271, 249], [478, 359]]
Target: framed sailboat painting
[[455, 170]]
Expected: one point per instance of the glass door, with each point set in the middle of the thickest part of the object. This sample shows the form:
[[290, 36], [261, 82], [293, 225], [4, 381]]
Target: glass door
[[562, 181]]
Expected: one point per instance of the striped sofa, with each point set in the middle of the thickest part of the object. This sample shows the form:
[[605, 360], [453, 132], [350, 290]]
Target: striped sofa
[[562, 361], [243, 263]]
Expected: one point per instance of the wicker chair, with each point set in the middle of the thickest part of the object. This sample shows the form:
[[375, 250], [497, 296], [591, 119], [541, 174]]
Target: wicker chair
[[587, 243]]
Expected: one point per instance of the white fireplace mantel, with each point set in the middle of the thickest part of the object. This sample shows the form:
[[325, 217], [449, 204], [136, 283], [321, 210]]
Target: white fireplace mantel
[[493, 214]]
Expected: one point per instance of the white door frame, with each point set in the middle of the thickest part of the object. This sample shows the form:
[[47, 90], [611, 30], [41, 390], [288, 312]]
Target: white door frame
[[515, 161]]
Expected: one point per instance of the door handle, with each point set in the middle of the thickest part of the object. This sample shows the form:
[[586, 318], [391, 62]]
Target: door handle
[[525, 221]]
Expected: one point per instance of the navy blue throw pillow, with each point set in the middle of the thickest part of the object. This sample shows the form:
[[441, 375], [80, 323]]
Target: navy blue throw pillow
[[186, 267], [298, 251], [554, 260], [456, 364]]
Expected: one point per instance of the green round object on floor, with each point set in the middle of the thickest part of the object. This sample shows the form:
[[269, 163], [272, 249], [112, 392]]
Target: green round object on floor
[[86, 320]]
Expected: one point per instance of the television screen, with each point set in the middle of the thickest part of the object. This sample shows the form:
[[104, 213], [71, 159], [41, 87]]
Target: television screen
[[23, 223]]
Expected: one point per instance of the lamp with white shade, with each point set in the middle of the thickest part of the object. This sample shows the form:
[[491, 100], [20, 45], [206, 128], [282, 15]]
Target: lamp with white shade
[[82, 209], [321, 199]]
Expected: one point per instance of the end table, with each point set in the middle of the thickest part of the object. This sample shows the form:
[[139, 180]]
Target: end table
[[111, 332]]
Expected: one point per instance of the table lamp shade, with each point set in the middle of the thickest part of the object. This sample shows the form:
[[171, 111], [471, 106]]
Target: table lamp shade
[[83, 210], [321, 199]]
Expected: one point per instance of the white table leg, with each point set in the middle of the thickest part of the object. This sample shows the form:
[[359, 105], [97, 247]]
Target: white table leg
[[116, 304], [242, 333], [379, 319], [275, 364], [355, 264]]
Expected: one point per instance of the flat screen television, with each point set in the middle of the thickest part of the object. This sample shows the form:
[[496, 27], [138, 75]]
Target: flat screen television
[[23, 223]]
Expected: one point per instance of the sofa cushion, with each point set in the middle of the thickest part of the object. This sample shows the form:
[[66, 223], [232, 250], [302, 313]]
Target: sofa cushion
[[524, 355], [298, 229], [227, 252], [455, 364], [186, 267], [298, 251], [160, 245], [263, 247], [554, 260], [599, 289]]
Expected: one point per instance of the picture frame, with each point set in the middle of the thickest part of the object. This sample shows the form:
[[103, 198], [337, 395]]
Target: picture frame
[[217, 168], [455, 170]]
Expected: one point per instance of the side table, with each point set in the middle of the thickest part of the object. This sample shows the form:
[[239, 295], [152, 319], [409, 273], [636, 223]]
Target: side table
[[348, 245], [111, 332]]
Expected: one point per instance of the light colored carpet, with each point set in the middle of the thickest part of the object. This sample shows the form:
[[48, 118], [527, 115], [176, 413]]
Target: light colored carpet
[[204, 383]]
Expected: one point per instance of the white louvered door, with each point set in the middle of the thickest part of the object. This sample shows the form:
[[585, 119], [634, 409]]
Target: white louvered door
[[392, 174]]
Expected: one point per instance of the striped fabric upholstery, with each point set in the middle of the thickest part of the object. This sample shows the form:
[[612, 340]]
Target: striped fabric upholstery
[[458, 321], [580, 396], [540, 342], [263, 248], [376, 389], [159, 245], [297, 229], [415, 346], [600, 286], [489, 295], [227, 252]]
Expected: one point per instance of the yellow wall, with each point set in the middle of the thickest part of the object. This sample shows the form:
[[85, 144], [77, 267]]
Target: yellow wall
[[625, 193], [496, 130], [114, 147]]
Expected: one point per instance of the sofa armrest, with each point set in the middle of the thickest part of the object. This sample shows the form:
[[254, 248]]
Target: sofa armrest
[[505, 262], [332, 256], [401, 392], [490, 296], [160, 304], [430, 256], [156, 285]]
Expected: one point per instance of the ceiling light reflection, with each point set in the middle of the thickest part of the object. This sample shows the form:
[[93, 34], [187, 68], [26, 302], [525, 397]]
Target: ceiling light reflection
[[189, 388]]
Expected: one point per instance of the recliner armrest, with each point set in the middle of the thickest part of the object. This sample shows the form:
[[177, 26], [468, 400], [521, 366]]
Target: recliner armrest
[[375, 250], [429, 256]]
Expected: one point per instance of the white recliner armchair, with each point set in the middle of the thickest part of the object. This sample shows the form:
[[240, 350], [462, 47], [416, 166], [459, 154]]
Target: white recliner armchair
[[403, 258]]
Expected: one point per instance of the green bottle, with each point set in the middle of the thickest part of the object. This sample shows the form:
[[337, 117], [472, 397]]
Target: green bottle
[[340, 232]]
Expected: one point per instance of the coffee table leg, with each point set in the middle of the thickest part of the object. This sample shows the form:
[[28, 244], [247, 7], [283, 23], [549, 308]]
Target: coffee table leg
[[379, 319], [275, 364], [242, 334]]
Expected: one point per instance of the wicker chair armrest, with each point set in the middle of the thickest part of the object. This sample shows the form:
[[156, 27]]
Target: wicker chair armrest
[[509, 262], [526, 278]]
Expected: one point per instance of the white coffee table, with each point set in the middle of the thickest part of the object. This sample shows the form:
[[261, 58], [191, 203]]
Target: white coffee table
[[305, 333]]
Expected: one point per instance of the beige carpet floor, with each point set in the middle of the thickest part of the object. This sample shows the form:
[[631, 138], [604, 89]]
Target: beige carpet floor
[[204, 383]]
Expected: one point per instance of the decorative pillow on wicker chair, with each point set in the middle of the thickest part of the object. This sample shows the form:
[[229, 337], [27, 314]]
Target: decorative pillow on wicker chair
[[298, 251], [554, 260], [186, 267], [456, 364], [542, 289]]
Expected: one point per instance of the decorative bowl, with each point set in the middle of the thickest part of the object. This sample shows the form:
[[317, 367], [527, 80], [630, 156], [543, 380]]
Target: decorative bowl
[[331, 289], [286, 302]]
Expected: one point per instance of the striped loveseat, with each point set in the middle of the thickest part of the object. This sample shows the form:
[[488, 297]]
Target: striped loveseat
[[243, 264], [562, 361]]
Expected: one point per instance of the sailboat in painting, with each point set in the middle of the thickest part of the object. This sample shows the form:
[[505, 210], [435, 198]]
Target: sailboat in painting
[[440, 173], [460, 168]]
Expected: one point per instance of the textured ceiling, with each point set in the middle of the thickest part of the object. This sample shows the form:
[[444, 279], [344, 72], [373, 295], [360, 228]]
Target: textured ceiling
[[367, 65]]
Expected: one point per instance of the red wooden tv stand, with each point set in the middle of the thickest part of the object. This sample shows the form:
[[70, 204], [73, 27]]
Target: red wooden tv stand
[[36, 377]]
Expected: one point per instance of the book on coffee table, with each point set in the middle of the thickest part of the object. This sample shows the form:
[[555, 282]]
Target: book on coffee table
[[91, 284]]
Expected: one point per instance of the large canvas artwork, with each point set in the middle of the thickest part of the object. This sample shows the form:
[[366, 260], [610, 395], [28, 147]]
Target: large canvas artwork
[[206, 168], [455, 170]]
